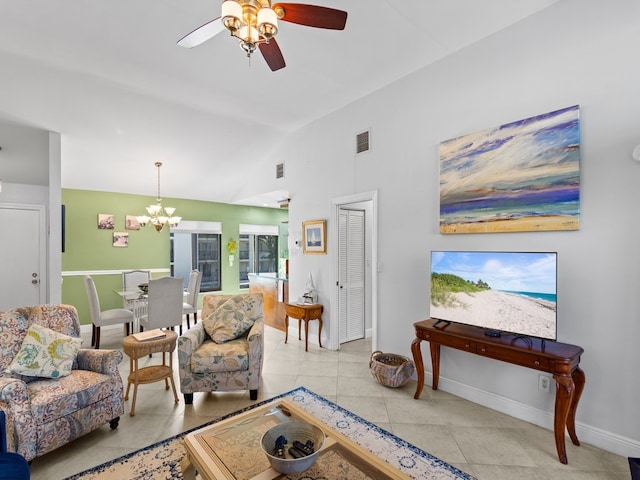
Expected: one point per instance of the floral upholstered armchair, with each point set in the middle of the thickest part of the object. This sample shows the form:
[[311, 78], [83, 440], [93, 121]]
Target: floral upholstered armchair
[[51, 390], [225, 350]]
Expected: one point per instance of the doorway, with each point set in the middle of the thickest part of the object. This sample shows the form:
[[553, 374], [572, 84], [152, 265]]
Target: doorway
[[351, 274], [22, 256], [367, 203]]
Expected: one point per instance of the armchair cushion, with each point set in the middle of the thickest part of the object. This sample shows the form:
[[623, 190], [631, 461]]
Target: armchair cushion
[[52, 400], [228, 357], [233, 318], [45, 353]]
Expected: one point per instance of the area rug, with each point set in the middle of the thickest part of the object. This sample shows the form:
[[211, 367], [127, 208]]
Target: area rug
[[162, 460]]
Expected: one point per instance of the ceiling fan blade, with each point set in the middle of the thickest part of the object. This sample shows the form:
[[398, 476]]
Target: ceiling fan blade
[[272, 55], [312, 15], [202, 34]]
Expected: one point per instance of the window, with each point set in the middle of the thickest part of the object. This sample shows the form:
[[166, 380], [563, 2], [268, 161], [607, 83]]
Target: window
[[257, 251], [197, 246], [206, 258]]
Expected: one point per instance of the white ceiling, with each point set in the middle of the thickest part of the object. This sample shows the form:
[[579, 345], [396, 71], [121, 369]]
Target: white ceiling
[[110, 78]]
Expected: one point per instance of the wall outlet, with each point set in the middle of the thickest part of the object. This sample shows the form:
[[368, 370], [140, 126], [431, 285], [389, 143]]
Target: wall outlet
[[544, 383]]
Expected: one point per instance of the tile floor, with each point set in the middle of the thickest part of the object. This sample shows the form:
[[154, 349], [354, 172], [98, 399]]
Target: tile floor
[[480, 441]]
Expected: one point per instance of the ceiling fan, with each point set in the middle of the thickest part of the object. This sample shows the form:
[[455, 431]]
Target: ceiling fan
[[255, 24]]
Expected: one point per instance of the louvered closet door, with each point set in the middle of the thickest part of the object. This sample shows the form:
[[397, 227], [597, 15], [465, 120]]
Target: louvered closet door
[[351, 290]]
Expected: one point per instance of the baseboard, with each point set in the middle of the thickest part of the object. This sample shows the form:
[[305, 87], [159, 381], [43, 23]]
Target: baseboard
[[588, 434]]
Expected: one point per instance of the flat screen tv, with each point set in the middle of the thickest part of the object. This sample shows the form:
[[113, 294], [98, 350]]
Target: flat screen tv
[[502, 292]]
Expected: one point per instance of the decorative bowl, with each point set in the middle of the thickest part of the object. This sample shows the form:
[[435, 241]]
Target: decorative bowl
[[144, 287], [294, 431]]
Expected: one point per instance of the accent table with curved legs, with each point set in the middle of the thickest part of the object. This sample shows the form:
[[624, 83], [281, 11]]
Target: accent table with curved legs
[[304, 313], [561, 360]]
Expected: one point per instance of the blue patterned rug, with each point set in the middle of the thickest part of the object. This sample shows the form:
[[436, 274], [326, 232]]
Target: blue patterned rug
[[162, 460]]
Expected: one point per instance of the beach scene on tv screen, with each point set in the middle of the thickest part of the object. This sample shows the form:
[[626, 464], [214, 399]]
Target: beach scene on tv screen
[[504, 291]]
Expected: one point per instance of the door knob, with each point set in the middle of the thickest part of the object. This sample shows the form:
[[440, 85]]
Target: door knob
[[34, 282]]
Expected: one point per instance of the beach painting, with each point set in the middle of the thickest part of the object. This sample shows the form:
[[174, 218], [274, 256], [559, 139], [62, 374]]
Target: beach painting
[[499, 291], [518, 177]]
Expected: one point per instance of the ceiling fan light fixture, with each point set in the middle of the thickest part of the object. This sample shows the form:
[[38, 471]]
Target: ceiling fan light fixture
[[231, 15], [267, 23], [248, 34], [255, 24]]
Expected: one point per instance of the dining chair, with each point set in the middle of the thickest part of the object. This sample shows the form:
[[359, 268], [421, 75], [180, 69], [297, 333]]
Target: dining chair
[[100, 318], [190, 304], [132, 278], [130, 281], [164, 309]]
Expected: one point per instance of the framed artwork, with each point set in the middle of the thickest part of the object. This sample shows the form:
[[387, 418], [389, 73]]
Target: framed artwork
[[106, 221], [131, 223], [120, 239], [519, 177], [314, 236]]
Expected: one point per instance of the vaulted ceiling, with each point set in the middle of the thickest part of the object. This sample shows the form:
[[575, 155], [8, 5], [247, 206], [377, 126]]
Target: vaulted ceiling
[[109, 77]]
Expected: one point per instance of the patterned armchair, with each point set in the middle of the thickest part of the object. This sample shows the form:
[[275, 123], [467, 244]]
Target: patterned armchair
[[43, 414], [224, 351]]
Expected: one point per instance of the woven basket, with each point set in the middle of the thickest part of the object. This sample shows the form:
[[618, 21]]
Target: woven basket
[[391, 370]]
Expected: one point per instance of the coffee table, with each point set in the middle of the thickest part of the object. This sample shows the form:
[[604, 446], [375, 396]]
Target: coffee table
[[230, 449]]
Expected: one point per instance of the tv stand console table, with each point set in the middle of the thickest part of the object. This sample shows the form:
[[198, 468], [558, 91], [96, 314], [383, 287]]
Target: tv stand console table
[[559, 359]]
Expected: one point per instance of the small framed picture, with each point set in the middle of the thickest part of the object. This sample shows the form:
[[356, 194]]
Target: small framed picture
[[120, 239], [131, 223], [314, 237], [106, 221]]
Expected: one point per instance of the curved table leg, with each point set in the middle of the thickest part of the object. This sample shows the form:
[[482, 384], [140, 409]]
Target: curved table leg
[[435, 364], [320, 331], [578, 380], [306, 335], [286, 328], [417, 360], [565, 392]]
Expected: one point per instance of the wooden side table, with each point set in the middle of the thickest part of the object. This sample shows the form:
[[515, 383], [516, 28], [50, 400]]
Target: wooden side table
[[303, 312], [137, 349], [562, 360]]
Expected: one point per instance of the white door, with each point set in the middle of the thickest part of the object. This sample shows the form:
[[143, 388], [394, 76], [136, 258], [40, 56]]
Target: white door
[[351, 279], [22, 254]]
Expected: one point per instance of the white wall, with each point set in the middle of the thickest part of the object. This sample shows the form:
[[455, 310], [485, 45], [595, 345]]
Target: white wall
[[31, 155], [576, 52], [54, 294]]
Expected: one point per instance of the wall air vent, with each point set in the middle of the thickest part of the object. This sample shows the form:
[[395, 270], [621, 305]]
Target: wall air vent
[[280, 170], [362, 142]]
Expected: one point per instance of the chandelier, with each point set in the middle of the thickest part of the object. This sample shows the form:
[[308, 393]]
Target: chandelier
[[159, 216], [251, 21]]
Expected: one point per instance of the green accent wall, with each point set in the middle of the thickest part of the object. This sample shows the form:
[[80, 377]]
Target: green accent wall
[[90, 250]]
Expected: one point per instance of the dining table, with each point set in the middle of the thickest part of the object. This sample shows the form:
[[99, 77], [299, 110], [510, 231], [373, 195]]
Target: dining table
[[136, 301]]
